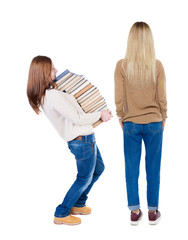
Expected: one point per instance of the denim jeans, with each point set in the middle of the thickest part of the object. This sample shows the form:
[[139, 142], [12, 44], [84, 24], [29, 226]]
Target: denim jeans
[[152, 135], [89, 166]]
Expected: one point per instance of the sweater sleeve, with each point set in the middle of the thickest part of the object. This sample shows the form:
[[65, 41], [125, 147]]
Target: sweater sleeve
[[161, 91], [67, 110], [119, 89]]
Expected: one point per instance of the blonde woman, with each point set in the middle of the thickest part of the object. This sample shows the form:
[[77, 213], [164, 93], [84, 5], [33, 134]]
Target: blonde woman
[[141, 105]]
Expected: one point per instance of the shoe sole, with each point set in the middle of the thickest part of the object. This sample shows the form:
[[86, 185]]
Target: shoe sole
[[70, 224], [134, 223], [155, 222]]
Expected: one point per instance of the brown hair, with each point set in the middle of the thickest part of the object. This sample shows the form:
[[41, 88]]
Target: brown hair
[[39, 80]]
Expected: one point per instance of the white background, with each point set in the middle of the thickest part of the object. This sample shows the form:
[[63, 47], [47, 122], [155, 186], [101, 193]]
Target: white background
[[37, 169]]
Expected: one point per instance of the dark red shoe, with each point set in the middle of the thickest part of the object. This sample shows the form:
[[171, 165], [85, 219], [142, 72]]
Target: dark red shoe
[[135, 218], [154, 217]]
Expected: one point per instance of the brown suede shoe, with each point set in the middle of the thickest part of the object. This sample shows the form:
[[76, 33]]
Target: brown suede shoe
[[154, 217], [135, 218], [81, 210], [69, 220]]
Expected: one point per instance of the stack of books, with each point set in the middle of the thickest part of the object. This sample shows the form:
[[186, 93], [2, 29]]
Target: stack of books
[[86, 94]]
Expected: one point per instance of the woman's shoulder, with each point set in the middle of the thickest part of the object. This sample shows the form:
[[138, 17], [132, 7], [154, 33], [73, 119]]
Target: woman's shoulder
[[159, 67], [159, 63], [120, 62], [121, 65], [54, 96], [53, 93]]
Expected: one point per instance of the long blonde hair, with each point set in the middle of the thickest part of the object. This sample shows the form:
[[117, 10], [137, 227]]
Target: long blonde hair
[[140, 56]]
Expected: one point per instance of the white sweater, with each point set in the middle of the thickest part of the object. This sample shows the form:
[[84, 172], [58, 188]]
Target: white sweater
[[67, 116]]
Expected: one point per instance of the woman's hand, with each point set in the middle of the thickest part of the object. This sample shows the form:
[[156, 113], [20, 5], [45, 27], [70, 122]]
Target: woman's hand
[[121, 123], [163, 123], [106, 115]]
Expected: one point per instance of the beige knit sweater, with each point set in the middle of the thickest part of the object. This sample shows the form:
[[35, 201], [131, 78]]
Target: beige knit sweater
[[137, 104], [66, 115]]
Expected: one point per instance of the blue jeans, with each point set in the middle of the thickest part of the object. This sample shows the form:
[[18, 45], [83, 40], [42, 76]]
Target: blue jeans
[[152, 135], [89, 166]]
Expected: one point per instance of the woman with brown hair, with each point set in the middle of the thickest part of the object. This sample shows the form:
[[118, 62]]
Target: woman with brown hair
[[75, 127], [141, 105]]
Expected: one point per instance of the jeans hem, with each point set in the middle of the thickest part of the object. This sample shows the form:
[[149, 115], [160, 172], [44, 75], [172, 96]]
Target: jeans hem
[[152, 208], [79, 205], [134, 207], [62, 216]]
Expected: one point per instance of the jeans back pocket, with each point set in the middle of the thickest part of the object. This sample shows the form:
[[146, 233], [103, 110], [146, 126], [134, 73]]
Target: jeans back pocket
[[82, 150], [155, 127], [128, 127]]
